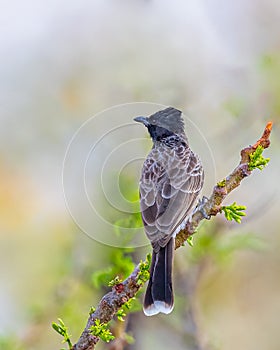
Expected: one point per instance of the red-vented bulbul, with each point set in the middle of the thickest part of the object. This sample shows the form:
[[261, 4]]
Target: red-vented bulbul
[[172, 177]]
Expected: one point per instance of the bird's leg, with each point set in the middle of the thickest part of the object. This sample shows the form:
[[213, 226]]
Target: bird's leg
[[201, 207]]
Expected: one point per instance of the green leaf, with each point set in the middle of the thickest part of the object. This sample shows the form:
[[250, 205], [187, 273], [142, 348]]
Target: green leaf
[[120, 315], [61, 329], [92, 310], [257, 160], [144, 273], [190, 240], [234, 212], [102, 331], [115, 281], [222, 183]]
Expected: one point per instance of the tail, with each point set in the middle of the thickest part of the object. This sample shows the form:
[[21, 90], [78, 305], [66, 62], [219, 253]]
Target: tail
[[159, 293]]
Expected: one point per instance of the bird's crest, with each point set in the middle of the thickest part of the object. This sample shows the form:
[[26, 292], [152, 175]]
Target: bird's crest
[[169, 118]]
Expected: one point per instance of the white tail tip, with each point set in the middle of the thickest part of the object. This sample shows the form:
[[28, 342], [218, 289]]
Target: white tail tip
[[157, 307]]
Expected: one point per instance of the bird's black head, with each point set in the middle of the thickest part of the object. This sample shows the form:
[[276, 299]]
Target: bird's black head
[[164, 123]]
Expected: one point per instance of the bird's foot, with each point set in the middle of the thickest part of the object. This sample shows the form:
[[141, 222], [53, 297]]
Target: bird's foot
[[201, 207]]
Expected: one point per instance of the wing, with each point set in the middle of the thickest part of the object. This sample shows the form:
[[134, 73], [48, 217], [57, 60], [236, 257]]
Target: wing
[[169, 185]]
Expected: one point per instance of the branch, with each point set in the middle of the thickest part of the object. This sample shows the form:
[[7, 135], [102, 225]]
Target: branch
[[124, 291], [111, 302], [213, 205]]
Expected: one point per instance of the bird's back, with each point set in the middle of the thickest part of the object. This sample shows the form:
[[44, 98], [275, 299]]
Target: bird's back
[[172, 177]]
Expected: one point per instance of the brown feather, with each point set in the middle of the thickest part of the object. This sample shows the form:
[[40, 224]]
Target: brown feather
[[170, 182]]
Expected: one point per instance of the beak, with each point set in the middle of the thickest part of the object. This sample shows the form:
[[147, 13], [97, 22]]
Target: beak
[[142, 120]]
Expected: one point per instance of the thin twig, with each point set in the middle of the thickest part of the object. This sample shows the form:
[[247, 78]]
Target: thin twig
[[213, 205], [108, 306]]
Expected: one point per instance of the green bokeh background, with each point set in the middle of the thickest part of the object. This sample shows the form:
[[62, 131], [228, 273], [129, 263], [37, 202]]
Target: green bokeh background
[[63, 62]]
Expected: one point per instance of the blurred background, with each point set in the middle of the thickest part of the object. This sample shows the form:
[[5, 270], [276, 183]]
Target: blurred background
[[63, 62]]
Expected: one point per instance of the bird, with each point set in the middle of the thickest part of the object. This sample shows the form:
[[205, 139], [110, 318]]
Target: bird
[[171, 179]]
